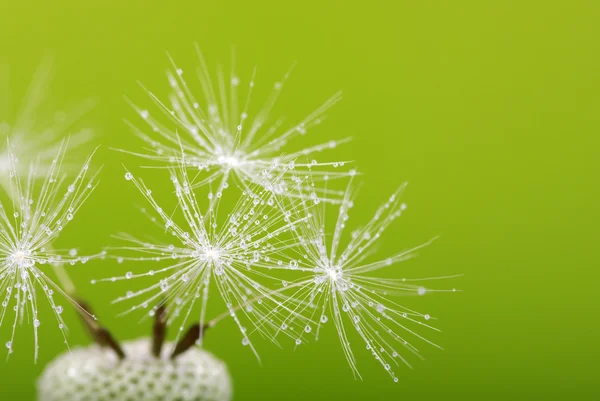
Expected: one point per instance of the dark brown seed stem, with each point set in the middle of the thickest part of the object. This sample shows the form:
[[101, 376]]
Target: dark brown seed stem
[[159, 331], [189, 339], [100, 334], [107, 340]]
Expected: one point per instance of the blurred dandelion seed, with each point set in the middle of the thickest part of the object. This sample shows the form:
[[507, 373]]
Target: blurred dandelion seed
[[29, 224], [224, 139], [35, 132]]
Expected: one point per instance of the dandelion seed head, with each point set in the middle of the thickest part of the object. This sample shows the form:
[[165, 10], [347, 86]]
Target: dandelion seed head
[[95, 374]]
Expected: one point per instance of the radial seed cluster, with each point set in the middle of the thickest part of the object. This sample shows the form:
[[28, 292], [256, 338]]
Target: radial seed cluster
[[274, 261], [257, 227]]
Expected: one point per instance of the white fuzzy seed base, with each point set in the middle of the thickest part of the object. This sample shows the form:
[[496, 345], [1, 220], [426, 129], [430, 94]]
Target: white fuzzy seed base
[[96, 374]]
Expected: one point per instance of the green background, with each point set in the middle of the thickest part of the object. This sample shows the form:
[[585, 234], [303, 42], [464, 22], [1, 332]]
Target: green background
[[489, 108]]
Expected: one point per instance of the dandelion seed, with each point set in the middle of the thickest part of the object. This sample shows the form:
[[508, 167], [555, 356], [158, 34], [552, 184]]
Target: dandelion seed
[[231, 256], [343, 287], [222, 137], [25, 240]]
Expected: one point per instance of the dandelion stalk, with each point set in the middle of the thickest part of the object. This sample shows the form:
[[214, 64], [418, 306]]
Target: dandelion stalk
[[65, 281]]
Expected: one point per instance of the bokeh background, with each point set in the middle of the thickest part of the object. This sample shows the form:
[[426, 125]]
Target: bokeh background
[[490, 109]]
